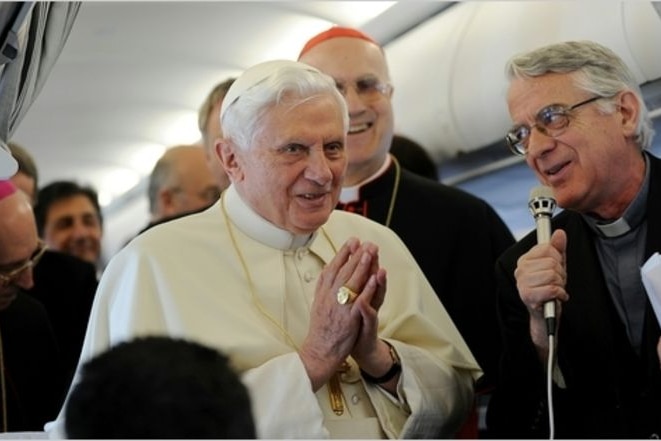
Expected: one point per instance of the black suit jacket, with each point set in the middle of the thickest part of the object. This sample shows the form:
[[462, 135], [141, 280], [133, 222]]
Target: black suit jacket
[[66, 285], [34, 380], [455, 238], [611, 392]]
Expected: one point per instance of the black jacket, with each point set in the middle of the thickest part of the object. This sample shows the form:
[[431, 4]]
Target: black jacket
[[611, 392], [66, 285], [34, 379]]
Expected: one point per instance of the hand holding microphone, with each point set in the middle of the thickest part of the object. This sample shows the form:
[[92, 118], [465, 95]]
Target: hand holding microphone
[[542, 205], [541, 272]]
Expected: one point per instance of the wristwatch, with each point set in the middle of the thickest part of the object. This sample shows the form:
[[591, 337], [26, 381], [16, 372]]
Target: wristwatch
[[395, 369]]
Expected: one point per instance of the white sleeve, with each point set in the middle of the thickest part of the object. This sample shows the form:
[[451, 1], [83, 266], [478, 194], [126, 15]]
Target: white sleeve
[[283, 403]]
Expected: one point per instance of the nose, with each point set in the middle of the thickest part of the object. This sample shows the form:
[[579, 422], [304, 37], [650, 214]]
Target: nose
[[539, 143], [318, 168], [355, 103], [80, 230]]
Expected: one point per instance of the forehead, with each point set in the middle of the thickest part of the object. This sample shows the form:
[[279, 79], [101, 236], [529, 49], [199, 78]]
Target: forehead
[[347, 58], [320, 115], [526, 96], [71, 205]]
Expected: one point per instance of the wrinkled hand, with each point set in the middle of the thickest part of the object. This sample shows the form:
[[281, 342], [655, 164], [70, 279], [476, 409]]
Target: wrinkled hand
[[335, 328], [541, 276], [368, 303]]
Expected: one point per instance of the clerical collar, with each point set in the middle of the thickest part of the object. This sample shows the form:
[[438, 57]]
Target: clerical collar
[[352, 194], [258, 228], [633, 215]]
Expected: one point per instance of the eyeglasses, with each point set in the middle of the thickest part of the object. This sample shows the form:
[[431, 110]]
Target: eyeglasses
[[7, 277], [368, 89], [551, 121]]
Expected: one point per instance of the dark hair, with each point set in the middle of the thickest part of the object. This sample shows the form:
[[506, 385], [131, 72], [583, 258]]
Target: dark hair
[[57, 191], [413, 157], [159, 387]]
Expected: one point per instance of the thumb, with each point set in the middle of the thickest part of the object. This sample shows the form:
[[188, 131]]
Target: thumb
[[559, 241]]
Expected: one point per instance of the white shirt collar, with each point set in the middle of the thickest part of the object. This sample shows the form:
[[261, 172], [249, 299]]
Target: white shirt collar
[[255, 226], [351, 194]]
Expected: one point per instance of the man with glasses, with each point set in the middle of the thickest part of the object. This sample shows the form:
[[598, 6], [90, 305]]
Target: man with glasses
[[582, 125], [31, 377], [454, 236]]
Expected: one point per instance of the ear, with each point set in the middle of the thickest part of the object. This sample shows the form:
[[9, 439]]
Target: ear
[[166, 201], [630, 111], [230, 158]]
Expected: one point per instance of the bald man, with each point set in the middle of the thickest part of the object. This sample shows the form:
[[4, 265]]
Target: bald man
[[181, 183], [32, 383], [454, 236]]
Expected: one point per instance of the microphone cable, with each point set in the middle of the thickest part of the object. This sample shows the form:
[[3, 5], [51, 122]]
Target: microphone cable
[[549, 383]]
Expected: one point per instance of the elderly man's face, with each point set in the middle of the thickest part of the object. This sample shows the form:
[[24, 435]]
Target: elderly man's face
[[592, 161], [292, 174]]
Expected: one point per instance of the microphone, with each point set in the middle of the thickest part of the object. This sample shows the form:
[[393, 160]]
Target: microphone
[[541, 205]]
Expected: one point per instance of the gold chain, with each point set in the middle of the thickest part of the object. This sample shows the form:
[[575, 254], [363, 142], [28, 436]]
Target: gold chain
[[395, 189]]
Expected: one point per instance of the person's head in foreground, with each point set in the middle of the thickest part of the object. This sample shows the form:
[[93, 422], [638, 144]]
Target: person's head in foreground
[[159, 387]]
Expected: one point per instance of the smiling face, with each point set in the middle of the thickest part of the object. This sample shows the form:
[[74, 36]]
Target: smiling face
[[292, 173], [352, 61], [594, 166], [73, 227]]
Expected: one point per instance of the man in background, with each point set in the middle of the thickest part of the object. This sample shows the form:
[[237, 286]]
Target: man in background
[[63, 283], [209, 124], [69, 220], [32, 384], [180, 183]]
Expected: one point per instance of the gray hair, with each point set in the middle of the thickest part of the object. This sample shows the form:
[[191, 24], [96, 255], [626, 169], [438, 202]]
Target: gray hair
[[595, 69], [294, 84]]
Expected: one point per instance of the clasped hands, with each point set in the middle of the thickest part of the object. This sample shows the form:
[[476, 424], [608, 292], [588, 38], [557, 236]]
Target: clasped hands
[[337, 329]]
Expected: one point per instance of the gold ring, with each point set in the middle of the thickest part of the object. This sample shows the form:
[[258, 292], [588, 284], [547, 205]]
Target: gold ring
[[345, 295]]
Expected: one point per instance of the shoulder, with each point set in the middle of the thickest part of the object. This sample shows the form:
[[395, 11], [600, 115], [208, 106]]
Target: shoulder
[[54, 263], [185, 229], [438, 193]]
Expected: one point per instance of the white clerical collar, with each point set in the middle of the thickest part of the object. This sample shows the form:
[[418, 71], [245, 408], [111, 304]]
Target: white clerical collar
[[258, 228], [633, 215], [351, 194]]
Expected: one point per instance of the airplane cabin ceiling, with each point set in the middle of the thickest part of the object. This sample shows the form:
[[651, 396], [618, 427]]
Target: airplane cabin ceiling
[[133, 74]]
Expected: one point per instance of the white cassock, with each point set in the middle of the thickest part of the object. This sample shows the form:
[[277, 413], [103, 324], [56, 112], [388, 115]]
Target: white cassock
[[245, 287]]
